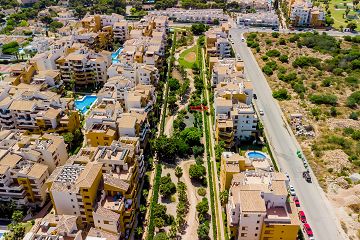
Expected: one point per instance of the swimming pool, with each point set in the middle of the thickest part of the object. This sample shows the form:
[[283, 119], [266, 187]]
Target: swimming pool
[[256, 154], [115, 55], [85, 103]]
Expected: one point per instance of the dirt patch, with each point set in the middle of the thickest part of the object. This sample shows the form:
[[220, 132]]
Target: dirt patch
[[190, 57], [343, 123], [336, 159], [347, 204], [176, 74]]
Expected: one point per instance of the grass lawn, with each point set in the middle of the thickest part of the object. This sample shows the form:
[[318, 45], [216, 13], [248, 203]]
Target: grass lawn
[[188, 57], [337, 13]]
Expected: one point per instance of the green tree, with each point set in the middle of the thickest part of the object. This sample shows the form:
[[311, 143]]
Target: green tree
[[161, 236], [68, 139], [216, 21], [17, 216], [352, 26], [281, 94], [203, 206], [197, 171], [198, 28], [203, 231], [172, 101], [159, 222], [178, 172], [191, 136], [167, 187], [174, 84], [165, 148], [11, 48], [219, 149], [224, 197], [55, 25]]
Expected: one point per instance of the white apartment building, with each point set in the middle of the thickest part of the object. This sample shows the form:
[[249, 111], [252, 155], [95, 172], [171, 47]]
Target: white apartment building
[[266, 19], [192, 15], [84, 66], [227, 69], [121, 31], [22, 181], [258, 200], [300, 13]]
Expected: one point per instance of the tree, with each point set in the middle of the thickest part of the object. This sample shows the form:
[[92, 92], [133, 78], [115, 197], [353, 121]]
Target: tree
[[55, 25], [347, 10], [191, 136], [174, 84], [11, 48], [284, 58], [173, 230], [198, 151], [224, 197], [198, 28], [219, 149], [178, 172], [203, 230], [329, 21], [167, 187], [161, 236], [165, 148], [203, 206], [281, 94], [159, 222], [216, 21], [68, 138], [172, 101], [352, 26], [17, 216], [197, 171]]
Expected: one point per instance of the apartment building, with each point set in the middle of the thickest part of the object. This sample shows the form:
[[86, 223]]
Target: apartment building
[[101, 134], [262, 5], [121, 31], [235, 117], [84, 66], [26, 107], [22, 181], [258, 19], [303, 13], [224, 70], [217, 43], [100, 185], [73, 189], [259, 208], [192, 15], [20, 73], [54, 226]]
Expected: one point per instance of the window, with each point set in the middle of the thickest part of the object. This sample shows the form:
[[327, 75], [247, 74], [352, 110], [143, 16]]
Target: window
[[233, 213], [243, 234], [255, 234], [246, 215], [257, 228], [106, 222], [258, 222], [73, 206]]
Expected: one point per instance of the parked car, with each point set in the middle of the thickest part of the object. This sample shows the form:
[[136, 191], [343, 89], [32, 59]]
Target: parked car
[[307, 176], [242, 39], [261, 112], [297, 202], [302, 217], [255, 97], [292, 190], [288, 177], [308, 230]]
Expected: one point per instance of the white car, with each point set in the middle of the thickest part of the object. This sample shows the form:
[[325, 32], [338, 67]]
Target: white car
[[261, 112], [292, 190], [287, 175], [242, 39]]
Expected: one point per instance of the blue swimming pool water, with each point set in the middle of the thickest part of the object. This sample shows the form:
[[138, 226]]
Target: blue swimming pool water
[[85, 102], [256, 155], [114, 55]]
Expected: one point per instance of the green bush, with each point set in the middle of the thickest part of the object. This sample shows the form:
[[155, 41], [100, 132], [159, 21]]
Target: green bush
[[284, 58], [273, 53], [354, 116], [281, 94], [315, 112], [201, 191], [264, 58], [351, 80], [268, 41], [328, 99], [275, 34], [327, 82], [267, 70], [299, 87], [304, 61], [353, 100], [282, 41], [292, 76], [294, 38]]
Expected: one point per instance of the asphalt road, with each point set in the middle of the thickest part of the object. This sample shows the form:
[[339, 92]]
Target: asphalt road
[[314, 203]]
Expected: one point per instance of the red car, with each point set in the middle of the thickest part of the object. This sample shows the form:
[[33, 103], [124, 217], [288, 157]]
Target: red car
[[302, 216], [296, 201], [308, 230]]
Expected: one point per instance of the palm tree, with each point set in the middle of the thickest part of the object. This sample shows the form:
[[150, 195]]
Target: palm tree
[[178, 172], [347, 11]]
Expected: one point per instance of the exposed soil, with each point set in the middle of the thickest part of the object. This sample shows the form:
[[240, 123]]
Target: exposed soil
[[190, 57]]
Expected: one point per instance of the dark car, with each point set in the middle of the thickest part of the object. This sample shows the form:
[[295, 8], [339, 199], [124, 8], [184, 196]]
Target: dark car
[[297, 202], [255, 97], [302, 217], [307, 177]]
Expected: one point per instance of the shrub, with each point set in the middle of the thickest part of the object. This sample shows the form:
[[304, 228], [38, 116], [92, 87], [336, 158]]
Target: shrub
[[326, 82], [292, 76], [167, 187], [275, 34], [268, 41], [284, 58], [273, 53], [299, 87], [354, 116], [281, 94], [304, 61], [282, 41], [351, 80], [353, 100], [333, 111], [264, 58], [267, 70], [328, 99], [313, 85], [294, 38], [201, 191], [258, 49], [197, 171], [315, 112]]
